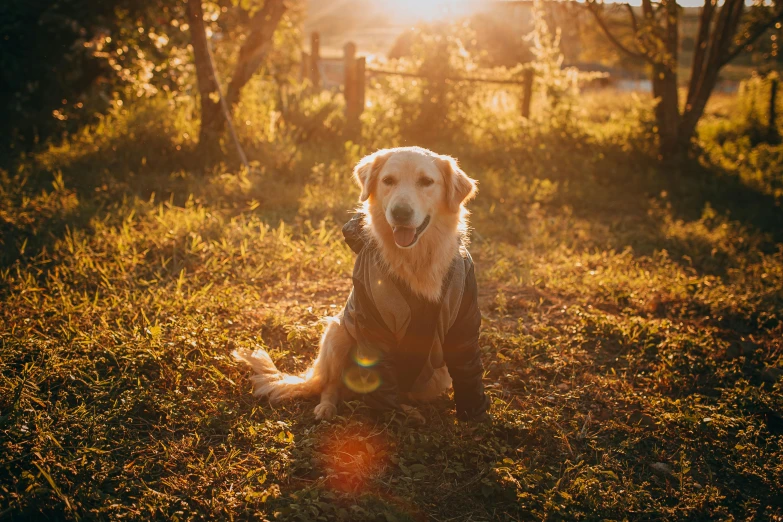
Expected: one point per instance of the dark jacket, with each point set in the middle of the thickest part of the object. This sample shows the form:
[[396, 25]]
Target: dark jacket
[[401, 338]]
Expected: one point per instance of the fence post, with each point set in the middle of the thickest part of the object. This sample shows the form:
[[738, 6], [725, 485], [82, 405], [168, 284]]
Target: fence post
[[361, 63], [527, 92], [315, 58], [350, 89], [304, 69]]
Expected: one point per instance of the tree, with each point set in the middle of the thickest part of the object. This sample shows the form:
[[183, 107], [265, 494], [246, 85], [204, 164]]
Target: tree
[[252, 54], [723, 33], [54, 71]]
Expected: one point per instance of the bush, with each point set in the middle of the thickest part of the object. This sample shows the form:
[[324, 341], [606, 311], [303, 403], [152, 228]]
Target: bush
[[437, 104]]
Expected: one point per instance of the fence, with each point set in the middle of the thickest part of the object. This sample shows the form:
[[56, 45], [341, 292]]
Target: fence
[[350, 73]]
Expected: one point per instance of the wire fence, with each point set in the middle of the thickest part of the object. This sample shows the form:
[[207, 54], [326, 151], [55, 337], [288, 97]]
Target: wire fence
[[350, 74]]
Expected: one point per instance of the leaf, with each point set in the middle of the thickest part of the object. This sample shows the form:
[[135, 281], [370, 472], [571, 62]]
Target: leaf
[[154, 331], [285, 436]]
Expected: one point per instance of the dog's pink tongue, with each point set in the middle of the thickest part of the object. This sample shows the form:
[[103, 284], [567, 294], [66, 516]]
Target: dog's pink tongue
[[404, 236]]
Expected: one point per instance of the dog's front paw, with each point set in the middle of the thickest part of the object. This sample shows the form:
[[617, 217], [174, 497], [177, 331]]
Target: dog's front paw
[[325, 411]]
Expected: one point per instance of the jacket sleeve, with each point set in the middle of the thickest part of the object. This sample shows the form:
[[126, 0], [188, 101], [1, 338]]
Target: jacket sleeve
[[463, 357], [377, 342], [352, 232]]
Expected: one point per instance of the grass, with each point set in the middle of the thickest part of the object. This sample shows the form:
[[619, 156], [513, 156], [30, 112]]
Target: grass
[[631, 336]]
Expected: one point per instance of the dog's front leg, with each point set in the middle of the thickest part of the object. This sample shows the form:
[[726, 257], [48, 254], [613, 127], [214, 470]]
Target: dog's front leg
[[327, 408], [336, 344]]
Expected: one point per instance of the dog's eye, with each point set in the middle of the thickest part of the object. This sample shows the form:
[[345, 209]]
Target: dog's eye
[[389, 181], [425, 181]]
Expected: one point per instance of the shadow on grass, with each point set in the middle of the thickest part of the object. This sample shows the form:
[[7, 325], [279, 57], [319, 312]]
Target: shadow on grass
[[61, 189]]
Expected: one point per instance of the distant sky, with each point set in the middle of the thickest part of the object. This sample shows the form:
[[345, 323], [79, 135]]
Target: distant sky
[[684, 3], [429, 9], [414, 10]]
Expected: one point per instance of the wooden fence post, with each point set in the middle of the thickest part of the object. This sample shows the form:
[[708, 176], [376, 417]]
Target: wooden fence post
[[350, 90], [315, 58], [361, 63], [527, 92], [304, 69]]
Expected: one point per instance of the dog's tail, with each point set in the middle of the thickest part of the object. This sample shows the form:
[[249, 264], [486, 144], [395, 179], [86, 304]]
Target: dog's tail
[[270, 382], [326, 369]]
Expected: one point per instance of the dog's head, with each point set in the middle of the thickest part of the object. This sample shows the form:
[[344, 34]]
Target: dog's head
[[413, 187]]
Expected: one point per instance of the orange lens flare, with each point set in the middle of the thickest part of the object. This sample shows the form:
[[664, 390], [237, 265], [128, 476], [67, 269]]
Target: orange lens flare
[[352, 456], [361, 380], [366, 357]]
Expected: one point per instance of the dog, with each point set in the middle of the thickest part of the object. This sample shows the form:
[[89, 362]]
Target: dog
[[410, 327]]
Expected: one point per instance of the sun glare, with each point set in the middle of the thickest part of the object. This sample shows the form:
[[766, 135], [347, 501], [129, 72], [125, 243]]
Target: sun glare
[[430, 10]]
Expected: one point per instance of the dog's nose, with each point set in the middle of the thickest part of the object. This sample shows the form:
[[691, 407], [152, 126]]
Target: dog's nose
[[402, 213]]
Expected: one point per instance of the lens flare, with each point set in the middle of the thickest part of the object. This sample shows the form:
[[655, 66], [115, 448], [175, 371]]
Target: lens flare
[[351, 456], [366, 356], [361, 380]]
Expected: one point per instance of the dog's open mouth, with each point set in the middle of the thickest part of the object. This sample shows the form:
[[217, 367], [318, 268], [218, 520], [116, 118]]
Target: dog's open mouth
[[406, 237]]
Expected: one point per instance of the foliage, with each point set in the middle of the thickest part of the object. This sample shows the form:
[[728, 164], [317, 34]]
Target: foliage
[[724, 32], [438, 101], [557, 84], [749, 124], [490, 39], [632, 324], [759, 109], [48, 70], [71, 60]]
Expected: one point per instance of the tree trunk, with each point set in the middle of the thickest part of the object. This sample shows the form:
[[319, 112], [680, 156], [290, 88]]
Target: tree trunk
[[255, 48], [251, 55], [695, 109], [667, 111], [664, 70], [704, 79], [211, 119], [658, 44]]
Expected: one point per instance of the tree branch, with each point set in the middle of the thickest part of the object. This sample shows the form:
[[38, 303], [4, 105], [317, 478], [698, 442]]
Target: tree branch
[[721, 34], [255, 47], [672, 41], [591, 6], [641, 41], [647, 9], [632, 16], [700, 54], [652, 34], [755, 33], [198, 37], [720, 39]]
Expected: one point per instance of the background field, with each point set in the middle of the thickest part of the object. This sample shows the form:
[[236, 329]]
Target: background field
[[631, 334], [631, 294]]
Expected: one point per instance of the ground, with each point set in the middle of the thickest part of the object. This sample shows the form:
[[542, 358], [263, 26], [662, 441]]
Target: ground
[[631, 328]]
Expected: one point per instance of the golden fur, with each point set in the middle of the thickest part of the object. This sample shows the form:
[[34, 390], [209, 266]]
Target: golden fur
[[386, 178]]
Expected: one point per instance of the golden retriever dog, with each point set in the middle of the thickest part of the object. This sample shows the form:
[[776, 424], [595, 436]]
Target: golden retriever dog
[[409, 329]]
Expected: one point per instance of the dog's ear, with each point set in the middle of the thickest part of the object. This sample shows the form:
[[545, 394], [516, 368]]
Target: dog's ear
[[460, 188], [366, 171]]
